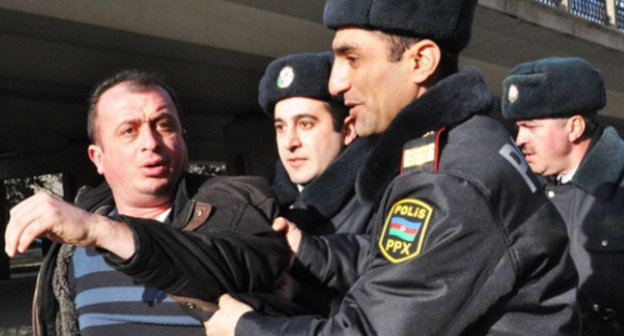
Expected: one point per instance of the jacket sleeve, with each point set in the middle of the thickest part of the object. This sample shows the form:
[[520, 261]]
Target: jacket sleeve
[[205, 265], [334, 261], [232, 250], [405, 291]]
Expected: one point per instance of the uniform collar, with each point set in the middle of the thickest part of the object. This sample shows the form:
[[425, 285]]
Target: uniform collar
[[100, 199], [327, 194], [448, 103], [602, 167]]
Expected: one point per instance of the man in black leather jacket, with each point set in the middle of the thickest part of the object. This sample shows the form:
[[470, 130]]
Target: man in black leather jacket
[[138, 144]]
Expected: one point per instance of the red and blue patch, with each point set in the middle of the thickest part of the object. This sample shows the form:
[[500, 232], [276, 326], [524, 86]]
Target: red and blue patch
[[404, 230]]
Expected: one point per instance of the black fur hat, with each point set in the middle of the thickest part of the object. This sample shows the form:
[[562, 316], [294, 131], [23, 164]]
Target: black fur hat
[[552, 88], [447, 22], [297, 75]]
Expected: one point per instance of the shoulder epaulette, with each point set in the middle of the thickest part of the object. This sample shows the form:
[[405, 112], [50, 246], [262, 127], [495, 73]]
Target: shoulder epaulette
[[422, 154]]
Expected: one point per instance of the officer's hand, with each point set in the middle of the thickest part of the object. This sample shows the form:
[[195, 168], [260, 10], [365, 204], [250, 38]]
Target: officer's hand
[[46, 215], [293, 234], [224, 320]]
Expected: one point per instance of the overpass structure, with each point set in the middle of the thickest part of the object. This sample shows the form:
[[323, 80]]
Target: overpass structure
[[214, 52]]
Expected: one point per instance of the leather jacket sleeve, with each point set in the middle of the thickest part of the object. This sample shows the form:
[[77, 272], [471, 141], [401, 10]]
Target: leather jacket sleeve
[[335, 261], [203, 265], [232, 248]]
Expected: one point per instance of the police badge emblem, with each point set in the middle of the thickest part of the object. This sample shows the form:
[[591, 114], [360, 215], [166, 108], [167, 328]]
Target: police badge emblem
[[404, 230], [286, 77], [513, 93]]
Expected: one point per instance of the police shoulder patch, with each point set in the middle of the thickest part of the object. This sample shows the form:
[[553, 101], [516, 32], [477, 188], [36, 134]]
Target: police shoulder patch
[[404, 230]]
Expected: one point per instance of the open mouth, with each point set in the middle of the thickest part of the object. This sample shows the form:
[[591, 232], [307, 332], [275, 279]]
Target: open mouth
[[154, 168]]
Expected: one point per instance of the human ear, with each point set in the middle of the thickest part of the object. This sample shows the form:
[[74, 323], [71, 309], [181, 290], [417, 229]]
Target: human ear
[[575, 126], [348, 132], [424, 57], [96, 156]]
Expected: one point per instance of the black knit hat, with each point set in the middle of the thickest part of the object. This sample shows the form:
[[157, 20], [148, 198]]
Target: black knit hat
[[552, 88], [299, 75], [447, 22]]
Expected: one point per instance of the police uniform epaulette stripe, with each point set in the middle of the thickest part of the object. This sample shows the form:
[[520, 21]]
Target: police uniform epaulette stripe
[[422, 154]]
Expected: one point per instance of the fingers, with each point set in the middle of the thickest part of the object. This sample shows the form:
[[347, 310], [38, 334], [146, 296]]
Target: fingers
[[229, 304], [223, 322], [293, 234], [45, 214], [23, 226], [225, 299], [280, 224]]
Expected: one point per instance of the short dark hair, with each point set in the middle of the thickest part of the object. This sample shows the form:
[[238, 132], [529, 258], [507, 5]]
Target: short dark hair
[[137, 79], [398, 44]]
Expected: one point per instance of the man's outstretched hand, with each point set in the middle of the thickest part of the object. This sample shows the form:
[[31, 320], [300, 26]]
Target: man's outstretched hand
[[47, 215]]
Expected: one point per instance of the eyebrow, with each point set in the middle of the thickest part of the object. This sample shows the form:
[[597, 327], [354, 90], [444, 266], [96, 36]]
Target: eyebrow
[[524, 123], [298, 116], [345, 48]]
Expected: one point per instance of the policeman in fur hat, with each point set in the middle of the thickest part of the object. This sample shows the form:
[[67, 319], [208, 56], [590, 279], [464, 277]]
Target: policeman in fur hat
[[554, 102], [464, 242], [319, 152], [319, 158]]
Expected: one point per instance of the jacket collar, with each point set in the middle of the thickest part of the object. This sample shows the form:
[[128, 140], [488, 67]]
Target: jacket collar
[[602, 167], [448, 103], [100, 199], [285, 192], [329, 192]]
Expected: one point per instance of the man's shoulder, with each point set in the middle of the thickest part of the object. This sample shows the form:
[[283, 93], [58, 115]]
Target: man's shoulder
[[481, 151], [602, 168], [91, 198], [238, 191], [237, 186]]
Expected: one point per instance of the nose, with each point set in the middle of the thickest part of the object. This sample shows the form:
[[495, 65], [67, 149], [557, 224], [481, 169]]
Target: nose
[[338, 79], [292, 141], [150, 138], [521, 138]]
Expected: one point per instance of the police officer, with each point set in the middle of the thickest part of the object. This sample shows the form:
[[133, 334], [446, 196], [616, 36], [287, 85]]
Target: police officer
[[319, 152], [464, 243], [554, 102], [319, 157]]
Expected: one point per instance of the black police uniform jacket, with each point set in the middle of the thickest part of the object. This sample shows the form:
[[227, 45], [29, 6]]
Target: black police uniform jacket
[[592, 207], [465, 242], [202, 208]]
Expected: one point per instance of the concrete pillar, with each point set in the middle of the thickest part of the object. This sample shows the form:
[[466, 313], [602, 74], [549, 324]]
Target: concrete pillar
[[565, 4], [610, 5]]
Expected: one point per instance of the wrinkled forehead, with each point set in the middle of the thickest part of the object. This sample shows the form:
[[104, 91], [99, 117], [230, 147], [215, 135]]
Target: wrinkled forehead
[[128, 94]]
